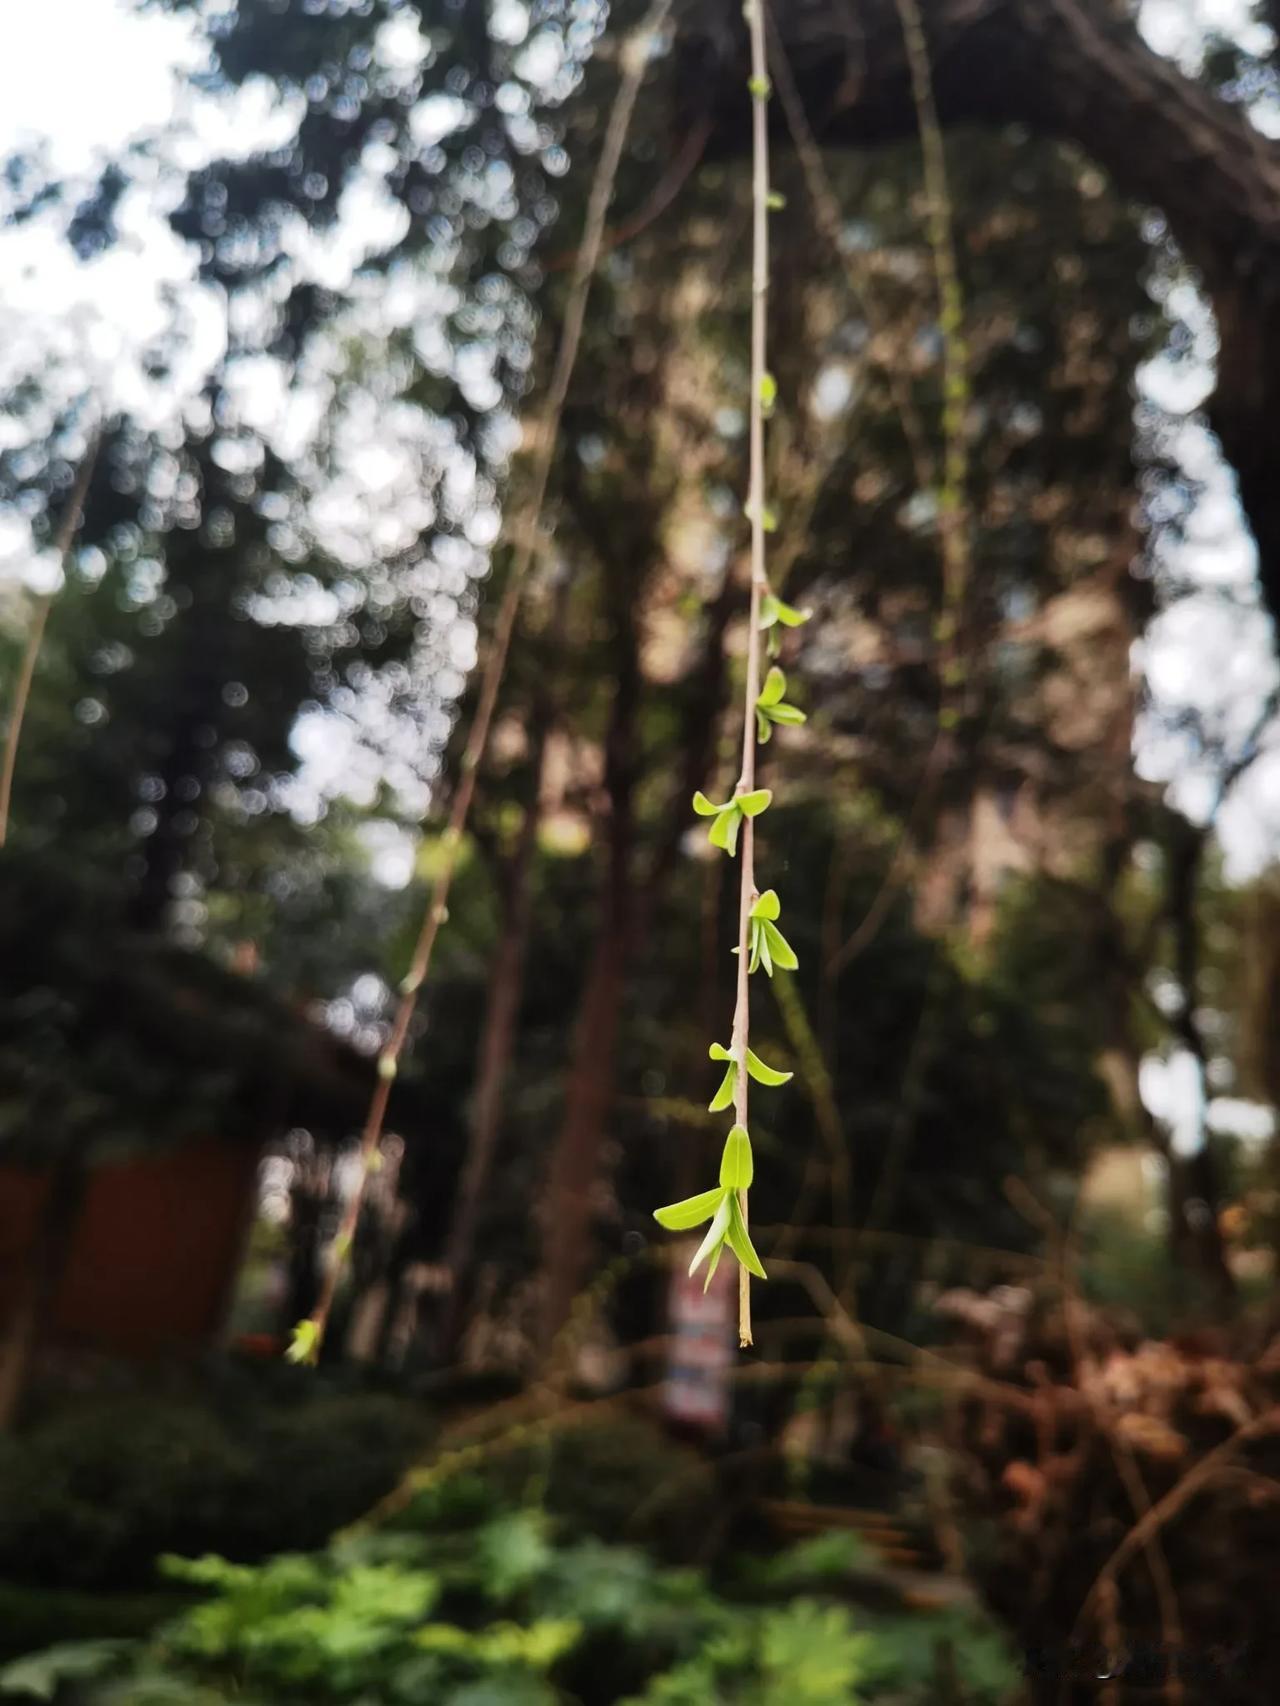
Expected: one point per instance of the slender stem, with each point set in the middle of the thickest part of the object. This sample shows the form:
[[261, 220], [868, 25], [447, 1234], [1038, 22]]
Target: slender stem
[[756, 510], [62, 543], [953, 518], [529, 545]]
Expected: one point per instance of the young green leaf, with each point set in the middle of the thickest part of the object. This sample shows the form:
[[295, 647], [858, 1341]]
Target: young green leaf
[[715, 1232], [739, 1239], [766, 958], [789, 616], [765, 1074], [682, 1216], [777, 948], [775, 201], [723, 1097], [771, 706], [724, 831], [751, 805], [304, 1345], [736, 1165], [768, 393], [705, 807], [775, 685], [766, 905]]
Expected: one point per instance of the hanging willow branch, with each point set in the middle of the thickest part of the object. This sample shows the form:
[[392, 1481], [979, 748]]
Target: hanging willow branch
[[760, 941], [309, 1334], [62, 543]]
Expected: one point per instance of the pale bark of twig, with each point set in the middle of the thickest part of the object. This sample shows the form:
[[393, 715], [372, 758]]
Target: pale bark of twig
[[756, 509], [634, 60], [62, 543]]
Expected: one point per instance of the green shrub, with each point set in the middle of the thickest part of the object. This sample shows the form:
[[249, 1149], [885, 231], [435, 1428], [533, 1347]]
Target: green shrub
[[622, 1478], [94, 1494], [477, 1608]]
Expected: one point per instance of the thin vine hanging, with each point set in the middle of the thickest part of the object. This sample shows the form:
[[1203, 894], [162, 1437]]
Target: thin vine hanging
[[761, 942], [308, 1334]]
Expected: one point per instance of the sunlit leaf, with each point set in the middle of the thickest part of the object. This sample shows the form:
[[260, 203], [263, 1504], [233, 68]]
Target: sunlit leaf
[[764, 728], [705, 807], [724, 1095], [682, 1216], [724, 831], [736, 1164], [766, 958], [715, 1232], [767, 905], [775, 685], [780, 950], [304, 1345], [751, 805], [739, 1240], [789, 616], [765, 1074], [718, 1051]]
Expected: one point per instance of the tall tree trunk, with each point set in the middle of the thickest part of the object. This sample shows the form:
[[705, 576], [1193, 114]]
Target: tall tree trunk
[[1195, 1189], [575, 1161], [493, 1060], [46, 1264]]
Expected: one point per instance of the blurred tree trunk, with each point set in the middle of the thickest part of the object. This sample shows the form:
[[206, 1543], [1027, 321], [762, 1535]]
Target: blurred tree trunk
[[631, 897], [45, 1266], [575, 1159], [496, 1046], [1194, 1187]]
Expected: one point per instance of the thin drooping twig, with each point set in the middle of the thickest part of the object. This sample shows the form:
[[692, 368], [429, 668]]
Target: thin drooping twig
[[953, 519], [830, 222], [634, 60], [756, 510], [62, 543]]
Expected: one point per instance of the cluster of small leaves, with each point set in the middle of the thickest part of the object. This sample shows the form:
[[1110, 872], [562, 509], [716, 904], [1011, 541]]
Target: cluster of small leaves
[[768, 948], [772, 707], [721, 1206], [728, 817]]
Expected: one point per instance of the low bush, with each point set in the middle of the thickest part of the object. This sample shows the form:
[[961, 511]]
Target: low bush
[[90, 1496], [474, 1605]]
